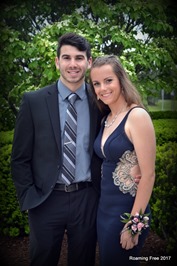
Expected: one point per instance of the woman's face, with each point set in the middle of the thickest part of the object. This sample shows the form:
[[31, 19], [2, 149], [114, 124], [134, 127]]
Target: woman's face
[[106, 84]]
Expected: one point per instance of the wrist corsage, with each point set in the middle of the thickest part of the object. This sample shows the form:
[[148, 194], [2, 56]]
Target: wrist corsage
[[135, 224]]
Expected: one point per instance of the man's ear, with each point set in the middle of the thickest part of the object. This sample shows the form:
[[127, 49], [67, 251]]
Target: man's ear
[[57, 63], [89, 62]]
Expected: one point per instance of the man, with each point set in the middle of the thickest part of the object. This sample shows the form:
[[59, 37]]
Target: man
[[56, 203]]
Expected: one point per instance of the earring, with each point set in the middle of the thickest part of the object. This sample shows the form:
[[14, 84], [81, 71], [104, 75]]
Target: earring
[[98, 98]]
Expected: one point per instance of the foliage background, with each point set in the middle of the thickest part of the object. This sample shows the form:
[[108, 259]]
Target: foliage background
[[142, 33]]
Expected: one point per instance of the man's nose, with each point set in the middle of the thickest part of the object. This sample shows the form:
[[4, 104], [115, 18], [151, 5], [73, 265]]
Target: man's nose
[[73, 62]]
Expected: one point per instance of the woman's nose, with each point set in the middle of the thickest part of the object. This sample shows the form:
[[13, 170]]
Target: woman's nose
[[102, 86]]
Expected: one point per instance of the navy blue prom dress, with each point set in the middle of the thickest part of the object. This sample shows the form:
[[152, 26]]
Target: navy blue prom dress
[[118, 191]]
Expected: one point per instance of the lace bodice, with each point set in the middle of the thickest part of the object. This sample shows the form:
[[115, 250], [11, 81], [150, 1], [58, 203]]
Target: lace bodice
[[122, 174]]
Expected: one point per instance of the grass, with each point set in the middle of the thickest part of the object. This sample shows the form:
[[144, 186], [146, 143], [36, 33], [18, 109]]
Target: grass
[[166, 105]]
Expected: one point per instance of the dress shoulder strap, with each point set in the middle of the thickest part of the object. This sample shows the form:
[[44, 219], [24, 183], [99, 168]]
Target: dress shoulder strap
[[127, 114], [134, 108]]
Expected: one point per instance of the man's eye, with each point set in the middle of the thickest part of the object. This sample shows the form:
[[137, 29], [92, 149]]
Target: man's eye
[[79, 58]]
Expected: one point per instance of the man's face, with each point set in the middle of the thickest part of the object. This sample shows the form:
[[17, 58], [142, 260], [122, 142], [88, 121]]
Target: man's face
[[73, 65]]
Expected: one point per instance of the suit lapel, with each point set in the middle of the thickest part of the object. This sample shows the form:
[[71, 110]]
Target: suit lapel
[[52, 104], [93, 118]]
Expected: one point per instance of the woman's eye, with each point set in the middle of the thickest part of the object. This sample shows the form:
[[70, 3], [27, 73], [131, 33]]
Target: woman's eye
[[95, 84]]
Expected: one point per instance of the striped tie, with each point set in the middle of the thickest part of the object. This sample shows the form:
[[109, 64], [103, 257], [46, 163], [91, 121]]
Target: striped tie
[[69, 148]]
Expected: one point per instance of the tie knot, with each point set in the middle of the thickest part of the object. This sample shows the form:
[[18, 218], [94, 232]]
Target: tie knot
[[72, 98]]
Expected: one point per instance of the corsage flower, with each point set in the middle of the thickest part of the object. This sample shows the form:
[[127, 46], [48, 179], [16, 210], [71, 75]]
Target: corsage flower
[[135, 224]]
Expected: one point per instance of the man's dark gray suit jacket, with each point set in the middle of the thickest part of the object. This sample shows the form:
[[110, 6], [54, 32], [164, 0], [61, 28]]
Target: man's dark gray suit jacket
[[36, 153]]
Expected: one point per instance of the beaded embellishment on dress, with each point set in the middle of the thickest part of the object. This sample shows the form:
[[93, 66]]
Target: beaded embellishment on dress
[[122, 173]]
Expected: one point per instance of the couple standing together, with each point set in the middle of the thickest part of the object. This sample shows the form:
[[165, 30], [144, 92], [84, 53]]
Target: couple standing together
[[111, 140]]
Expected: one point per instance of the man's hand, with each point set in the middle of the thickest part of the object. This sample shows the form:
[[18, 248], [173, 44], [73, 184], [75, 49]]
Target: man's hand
[[137, 179]]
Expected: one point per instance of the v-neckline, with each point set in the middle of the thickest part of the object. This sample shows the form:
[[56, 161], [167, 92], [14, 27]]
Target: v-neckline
[[103, 145]]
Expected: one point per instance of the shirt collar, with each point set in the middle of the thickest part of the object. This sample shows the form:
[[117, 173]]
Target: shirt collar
[[65, 92]]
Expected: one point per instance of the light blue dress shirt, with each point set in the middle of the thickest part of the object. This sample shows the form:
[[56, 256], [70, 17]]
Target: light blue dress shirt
[[83, 172]]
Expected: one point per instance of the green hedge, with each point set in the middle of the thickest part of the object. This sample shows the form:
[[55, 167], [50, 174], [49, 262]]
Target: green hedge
[[163, 114], [164, 196], [166, 130], [12, 221], [163, 200]]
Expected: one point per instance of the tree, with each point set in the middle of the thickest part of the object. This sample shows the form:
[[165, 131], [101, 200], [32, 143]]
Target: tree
[[29, 33]]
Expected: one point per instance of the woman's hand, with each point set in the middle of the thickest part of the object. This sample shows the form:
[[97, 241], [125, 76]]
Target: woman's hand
[[127, 240]]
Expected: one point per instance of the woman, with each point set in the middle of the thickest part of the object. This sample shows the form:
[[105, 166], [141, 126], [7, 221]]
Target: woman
[[126, 143]]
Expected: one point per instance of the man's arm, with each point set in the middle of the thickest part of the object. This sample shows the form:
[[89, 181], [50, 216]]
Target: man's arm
[[22, 150]]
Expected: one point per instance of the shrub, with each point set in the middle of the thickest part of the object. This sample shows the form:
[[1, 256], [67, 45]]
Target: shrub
[[163, 201], [13, 222], [166, 130], [163, 114]]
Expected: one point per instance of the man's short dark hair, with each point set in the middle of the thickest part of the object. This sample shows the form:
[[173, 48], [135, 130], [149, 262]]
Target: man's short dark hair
[[75, 40]]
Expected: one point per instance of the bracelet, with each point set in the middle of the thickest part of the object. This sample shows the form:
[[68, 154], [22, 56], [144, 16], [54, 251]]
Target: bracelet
[[135, 224]]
